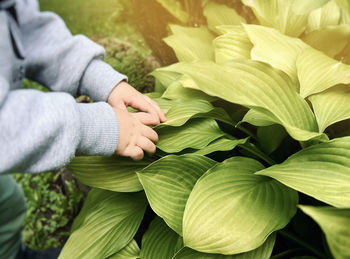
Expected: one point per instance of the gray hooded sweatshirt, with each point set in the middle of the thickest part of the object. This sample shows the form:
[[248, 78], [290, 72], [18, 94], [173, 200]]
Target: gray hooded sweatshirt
[[43, 131]]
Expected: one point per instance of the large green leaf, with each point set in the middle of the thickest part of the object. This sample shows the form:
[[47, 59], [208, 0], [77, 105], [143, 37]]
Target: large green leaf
[[331, 106], [168, 183], [329, 72], [182, 111], [196, 133], [233, 44], [284, 15], [270, 137], [303, 7], [321, 171], [274, 48], [107, 223], [262, 252], [110, 173], [259, 117], [322, 17], [218, 14], [174, 7], [221, 212], [160, 241], [131, 251], [191, 44], [221, 144], [330, 40], [255, 84], [335, 224], [177, 91]]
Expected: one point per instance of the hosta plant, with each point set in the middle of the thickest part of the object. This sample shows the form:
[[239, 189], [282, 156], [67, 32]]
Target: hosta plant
[[254, 158]]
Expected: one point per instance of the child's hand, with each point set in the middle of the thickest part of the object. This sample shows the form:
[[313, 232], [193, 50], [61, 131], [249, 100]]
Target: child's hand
[[124, 95], [134, 136]]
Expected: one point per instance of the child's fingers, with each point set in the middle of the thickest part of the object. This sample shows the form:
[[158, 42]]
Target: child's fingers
[[156, 106], [146, 145], [135, 152], [150, 134], [146, 118], [141, 104]]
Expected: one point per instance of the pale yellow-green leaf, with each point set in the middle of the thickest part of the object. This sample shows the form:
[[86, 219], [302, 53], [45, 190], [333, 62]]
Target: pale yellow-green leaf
[[331, 106], [279, 14], [177, 91], [107, 223], [325, 16], [183, 110], [262, 252], [259, 118], [168, 183], [345, 4], [174, 7], [233, 44], [274, 48], [160, 241], [110, 173], [303, 7], [255, 85], [335, 224], [131, 251], [318, 72], [321, 171], [166, 78], [221, 212], [196, 133], [220, 14], [191, 44], [221, 144], [330, 40]]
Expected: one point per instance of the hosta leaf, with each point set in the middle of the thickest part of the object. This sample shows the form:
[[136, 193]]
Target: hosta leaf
[[331, 106], [191, 44], [165, 77], [259, 117], [329, 72], [177, 91], [221, 144], [181, 112], [270, 137], [330, 40], [175, 8], [335, 224], [274, 48], [262, 252], [160, 241], [283, 15], [255, 85], [107, 223], [321, 171], [233, 44], [168, 183], [196, 133], [110, 173], [221, 212], [303, 7], [320, 18], [219, 14], [131, 251], [345, 4]]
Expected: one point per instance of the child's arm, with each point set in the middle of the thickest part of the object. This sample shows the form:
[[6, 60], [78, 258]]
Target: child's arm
[[60, 61]]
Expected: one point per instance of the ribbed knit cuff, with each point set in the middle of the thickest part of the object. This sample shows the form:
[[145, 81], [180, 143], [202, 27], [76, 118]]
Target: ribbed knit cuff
[[98, 129], [99, 79]]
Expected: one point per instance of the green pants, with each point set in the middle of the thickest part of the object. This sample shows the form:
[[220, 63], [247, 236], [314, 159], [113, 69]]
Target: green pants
[[12, 214]]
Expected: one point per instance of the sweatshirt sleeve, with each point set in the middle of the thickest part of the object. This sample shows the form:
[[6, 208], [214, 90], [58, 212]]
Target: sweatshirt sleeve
[[60, 61], [43, 131]]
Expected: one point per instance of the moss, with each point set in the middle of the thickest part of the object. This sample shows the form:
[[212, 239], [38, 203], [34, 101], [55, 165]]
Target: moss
[[129, 60]]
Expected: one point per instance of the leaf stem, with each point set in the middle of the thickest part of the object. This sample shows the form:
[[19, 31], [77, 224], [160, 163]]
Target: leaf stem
[[248, 132], [251, 148], [301, 242], [285, 253]]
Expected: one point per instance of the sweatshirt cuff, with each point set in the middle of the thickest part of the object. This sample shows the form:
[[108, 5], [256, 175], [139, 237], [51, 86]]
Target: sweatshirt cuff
[[99, 79], [98, 129]]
